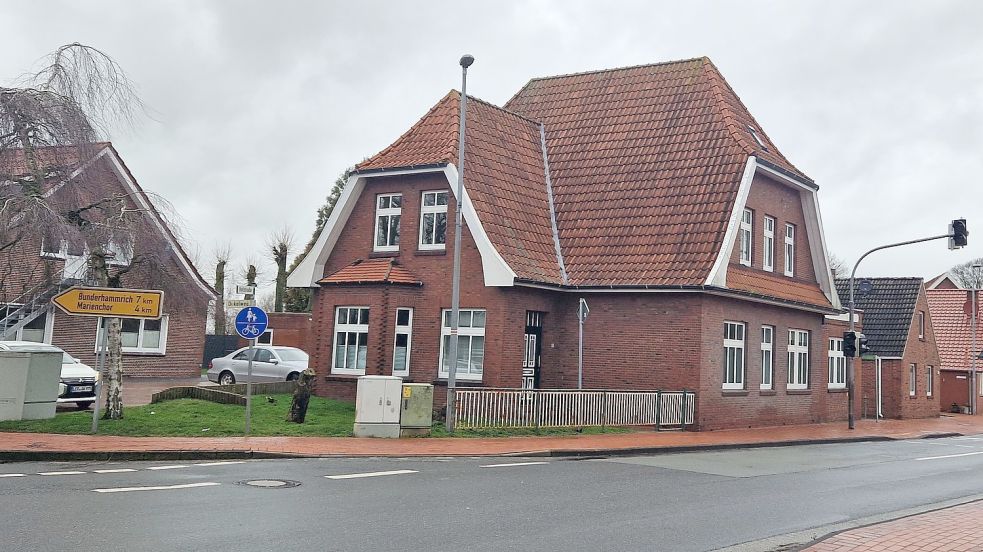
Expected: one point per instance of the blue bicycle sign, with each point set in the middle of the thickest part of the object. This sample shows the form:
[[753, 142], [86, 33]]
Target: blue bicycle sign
[[251, 322]]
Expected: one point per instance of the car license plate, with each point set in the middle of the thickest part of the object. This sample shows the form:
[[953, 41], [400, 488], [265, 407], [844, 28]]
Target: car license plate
[[81, 389]]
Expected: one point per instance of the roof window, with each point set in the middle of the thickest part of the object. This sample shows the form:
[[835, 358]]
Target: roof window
[[754, 134]]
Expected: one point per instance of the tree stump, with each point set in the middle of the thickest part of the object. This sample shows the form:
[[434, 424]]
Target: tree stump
[[302, 396]]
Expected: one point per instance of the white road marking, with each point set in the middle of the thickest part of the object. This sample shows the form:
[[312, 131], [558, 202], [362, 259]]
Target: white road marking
[[950, 456], [13, 474], [514, 464], [62, 473], [174, 467], [370, 474], [158, 488], [117, 470], [224, 463]]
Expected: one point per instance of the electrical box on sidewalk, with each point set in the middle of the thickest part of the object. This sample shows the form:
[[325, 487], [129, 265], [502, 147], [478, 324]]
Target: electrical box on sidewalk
[[416, 413], [377, 406], [29, 384]]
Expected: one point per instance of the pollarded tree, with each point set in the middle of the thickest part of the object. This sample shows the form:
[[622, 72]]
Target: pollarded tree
[[969, 274]]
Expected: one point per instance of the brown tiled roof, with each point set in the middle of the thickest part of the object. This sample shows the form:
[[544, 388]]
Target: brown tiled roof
[[645, 164], [952, 321], [372, 271], [57, 161], [756, 281]]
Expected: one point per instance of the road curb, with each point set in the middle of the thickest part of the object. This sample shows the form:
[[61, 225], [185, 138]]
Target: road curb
[[151, 455], [698, 448]]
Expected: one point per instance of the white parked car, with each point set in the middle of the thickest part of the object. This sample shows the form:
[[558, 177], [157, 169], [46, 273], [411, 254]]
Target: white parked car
[[270, 363], [78, 381]]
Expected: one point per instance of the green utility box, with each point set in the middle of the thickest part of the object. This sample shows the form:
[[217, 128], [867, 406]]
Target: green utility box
[[416, 410]]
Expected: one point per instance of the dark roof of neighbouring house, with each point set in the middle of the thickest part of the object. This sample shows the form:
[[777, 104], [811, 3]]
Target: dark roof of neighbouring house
[[888, 310], [372, 271], [645, 165], [951, 311]]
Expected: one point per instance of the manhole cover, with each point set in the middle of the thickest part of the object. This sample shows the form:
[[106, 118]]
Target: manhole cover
[[269, 483]]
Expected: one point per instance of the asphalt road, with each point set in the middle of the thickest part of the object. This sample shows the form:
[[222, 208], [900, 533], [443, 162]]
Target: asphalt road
[[676, 502]]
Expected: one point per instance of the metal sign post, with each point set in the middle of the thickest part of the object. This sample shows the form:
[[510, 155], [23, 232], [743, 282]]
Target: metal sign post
[[100, 367], [582, 312], [250, 323]]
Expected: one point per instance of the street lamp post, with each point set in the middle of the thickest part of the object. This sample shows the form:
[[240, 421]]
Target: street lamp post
[[973, 353], [466, 61]]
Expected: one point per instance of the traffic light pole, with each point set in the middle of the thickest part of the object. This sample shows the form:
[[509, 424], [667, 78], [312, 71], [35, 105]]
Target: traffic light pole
[[849, 363]]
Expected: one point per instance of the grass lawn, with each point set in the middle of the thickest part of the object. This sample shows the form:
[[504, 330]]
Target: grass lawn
[[191, 417], [197, 418]]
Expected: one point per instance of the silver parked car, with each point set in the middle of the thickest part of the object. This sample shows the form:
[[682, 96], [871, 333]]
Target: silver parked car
[[270, 363]]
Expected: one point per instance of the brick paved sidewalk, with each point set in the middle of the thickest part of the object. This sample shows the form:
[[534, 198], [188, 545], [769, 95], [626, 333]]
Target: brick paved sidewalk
[[24, 445], [956, 529]]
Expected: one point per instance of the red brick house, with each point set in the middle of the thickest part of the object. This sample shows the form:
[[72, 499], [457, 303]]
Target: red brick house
[[952, 315], [649, 191], [35, 268], [898, 326]]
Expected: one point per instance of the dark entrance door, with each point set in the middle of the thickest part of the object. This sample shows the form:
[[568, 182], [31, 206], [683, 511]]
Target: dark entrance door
[[533, 349]]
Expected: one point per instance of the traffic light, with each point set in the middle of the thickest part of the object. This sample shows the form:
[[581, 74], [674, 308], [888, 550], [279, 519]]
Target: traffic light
[[957, 234], [849, 344], [862, 347]]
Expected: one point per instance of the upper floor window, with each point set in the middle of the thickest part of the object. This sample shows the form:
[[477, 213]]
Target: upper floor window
[[733, 355], [798, 359], [388, 208], [789, 250], [921, 324], [768, 254], [747, 221], [912, 380], [433, 220], [837, 364]]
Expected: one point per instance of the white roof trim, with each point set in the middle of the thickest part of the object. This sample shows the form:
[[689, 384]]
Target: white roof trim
[[496, 271], [124, 176], [718, 274], [820, 255]]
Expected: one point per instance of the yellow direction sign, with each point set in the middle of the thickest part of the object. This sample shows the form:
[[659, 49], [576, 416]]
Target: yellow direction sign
[[111, 302]]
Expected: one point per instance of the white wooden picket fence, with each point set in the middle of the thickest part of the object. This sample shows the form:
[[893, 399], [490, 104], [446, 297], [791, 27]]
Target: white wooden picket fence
[[498, 407]]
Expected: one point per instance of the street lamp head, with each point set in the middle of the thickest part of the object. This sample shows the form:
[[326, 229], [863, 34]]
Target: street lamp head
[[467, 60]]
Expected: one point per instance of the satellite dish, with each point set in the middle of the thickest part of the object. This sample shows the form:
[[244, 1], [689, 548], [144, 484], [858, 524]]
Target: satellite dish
[[865, 287]]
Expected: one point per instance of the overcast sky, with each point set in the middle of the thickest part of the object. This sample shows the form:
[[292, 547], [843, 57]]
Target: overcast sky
[[256, 107]]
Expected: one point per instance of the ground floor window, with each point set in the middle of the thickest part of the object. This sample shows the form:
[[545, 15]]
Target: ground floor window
[[928, 381], [798, 359], [470, 344], [767, 356], [351, 340], [837, 364], [37, 330], [138, 335], [733, 355], [401, 347]]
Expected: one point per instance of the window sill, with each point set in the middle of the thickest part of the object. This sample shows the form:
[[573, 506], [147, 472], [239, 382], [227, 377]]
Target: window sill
[[430, 252], [342, 377], [798, 391], [460, 382], [836, 390], [733, 392], [767, 393], [383, 254], [143, 353]]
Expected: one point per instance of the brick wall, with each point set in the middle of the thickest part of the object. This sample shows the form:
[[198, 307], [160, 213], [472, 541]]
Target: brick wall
[[290, 329]]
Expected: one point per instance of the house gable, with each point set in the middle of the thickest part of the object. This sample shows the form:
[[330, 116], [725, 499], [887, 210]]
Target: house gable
[[889, 310]]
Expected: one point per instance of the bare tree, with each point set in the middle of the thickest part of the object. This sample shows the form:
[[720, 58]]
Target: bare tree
[[222, 255], [838, 266], [53, 192], [280, 242], [969, 274]]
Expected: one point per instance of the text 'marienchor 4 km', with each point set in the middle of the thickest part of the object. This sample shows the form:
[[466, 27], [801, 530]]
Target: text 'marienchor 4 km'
[[111, 302]]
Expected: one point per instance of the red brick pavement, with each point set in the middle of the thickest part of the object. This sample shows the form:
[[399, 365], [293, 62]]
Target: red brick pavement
[[349, 446], [956, 529]]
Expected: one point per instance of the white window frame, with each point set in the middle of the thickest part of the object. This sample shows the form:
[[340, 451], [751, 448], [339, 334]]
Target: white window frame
[[357, 328], [61, 254], [462, 331], [733, 376], [789, 249], [768, 245], [912, 379], [798, 359], [746, 237], [836, 364], [259, 338], [139, 349], [434, 210], [921, 324], [929, 380], [406, 330], [767, 357], [387, 213]]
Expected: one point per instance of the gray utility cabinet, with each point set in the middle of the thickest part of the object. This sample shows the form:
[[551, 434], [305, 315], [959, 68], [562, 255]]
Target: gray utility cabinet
[[29, 384], [377, 406], [416, 414]]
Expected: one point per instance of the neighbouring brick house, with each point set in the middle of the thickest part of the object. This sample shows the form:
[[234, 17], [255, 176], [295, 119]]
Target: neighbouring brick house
[[649, 191], [952, 317], [38, 268], [898, 326]]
